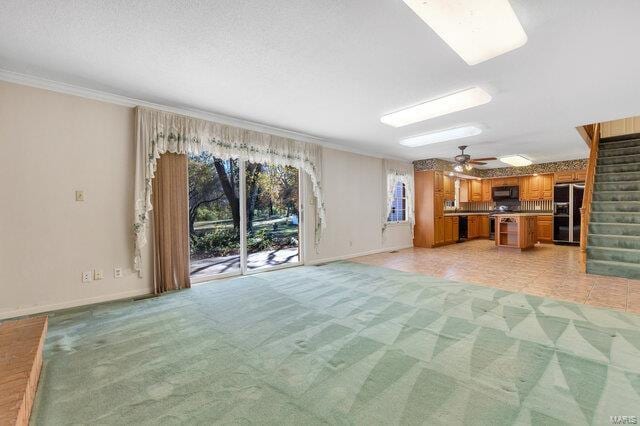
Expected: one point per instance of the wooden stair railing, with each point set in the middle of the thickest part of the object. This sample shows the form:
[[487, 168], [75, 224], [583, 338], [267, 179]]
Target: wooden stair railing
[[585, 210]]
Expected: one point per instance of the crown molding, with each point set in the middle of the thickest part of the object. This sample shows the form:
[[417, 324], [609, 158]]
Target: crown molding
[[98, 95]]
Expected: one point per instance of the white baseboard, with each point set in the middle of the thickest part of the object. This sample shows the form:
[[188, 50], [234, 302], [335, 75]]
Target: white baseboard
[[72, 304], [352, 255]]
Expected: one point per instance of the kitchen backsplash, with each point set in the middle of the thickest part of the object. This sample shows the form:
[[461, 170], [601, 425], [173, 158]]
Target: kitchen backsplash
[[474, 206]]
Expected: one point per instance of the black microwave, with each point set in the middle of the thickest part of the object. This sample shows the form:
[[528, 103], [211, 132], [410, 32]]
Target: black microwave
[[502, 193]]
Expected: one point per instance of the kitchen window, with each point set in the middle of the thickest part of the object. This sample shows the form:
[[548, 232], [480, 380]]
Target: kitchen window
[[399, 205]]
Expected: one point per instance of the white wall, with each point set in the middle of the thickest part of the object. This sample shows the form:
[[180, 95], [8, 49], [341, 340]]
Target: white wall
[[50, 146], [354, 191], [53, 144]]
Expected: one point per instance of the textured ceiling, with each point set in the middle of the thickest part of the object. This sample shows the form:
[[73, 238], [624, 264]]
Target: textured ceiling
[[331, 68]]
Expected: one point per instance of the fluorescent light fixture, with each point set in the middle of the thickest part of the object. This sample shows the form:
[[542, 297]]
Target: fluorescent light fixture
[[441, 136], [516, 160], [477, 30], [435, 108]]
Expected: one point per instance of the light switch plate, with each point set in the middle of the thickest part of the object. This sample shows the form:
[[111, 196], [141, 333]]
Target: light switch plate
[[98, 274], [79, 195], [86, 277], [117, 272]]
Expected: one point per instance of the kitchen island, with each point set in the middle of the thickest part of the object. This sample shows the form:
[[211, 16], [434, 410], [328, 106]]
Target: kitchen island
[[516, 230]]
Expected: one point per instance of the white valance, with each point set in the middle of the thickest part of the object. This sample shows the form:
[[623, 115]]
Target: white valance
[[158, 132], [395, 172]]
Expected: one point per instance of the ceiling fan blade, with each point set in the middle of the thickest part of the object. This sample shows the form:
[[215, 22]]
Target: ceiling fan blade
[[485, 159], [477, 163]]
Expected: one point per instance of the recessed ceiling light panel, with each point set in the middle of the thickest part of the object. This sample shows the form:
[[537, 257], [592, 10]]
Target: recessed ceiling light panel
[[516, 160], [441, 136], [445, 105], [477, 30]]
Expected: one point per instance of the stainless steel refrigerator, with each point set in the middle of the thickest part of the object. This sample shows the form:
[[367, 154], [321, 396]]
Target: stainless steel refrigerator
[[567, 200]]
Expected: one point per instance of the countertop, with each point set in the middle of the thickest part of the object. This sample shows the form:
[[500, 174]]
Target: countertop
[[533, 213]]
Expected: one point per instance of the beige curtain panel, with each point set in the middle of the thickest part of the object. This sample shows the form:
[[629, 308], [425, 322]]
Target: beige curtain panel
[[171, 224]]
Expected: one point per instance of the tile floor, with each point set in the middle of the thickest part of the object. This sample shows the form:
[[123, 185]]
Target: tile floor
[[548, 271]]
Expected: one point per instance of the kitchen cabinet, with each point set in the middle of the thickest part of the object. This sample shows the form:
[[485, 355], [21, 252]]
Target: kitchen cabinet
[[449, 188], [472, 227], [508, 181], [546, 187], [536, 187], [571, 176], [486, 190], [429, 229], [515, 231], [456, 228], [483, 226], [439, 228], [451, 231], [476, 190], [544, 228], [465, 195], [439, 181]]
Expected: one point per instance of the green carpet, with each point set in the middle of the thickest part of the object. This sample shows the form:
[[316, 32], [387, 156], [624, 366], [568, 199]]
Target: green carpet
[[342, 343]]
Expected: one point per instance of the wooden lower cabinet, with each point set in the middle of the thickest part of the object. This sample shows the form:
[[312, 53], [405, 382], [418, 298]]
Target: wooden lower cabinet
[[483, 226], [472, 227], [544, 228], [439, 228], [451, 233], [456, 229]]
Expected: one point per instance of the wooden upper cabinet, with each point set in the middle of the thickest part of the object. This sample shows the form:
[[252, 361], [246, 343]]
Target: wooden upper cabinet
[[449, 184], [524, 188], [476, 190], [571, 176], [507, 181], [486, 190], [465, 195], [534, 191], [439, 182], [546, 188]]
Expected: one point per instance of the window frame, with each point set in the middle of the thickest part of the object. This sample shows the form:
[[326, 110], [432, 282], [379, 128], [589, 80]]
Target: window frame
[[404, 204]]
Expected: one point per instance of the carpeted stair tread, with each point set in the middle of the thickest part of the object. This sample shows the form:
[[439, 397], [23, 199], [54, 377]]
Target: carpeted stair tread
[[615, 206], [602, 177], [614, 241], [619, 144], [614, 269], [614, 254], [629, 185], [615, 152], [619, 168], [617, 217], [619, 160], [616, 196]]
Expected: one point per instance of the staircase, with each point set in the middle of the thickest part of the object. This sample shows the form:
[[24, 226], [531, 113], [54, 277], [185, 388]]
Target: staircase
[[613, 244]]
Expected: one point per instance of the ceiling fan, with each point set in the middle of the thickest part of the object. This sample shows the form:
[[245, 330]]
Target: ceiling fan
[[464, 162]]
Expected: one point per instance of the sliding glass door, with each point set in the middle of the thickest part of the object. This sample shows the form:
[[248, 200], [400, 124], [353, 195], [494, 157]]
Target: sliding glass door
[[214, 215], [272, 214], [231, 237]]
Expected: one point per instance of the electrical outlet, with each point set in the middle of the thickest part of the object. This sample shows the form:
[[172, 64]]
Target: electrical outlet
[[79, 195], [117, 272], [98, 274], [86, 277]]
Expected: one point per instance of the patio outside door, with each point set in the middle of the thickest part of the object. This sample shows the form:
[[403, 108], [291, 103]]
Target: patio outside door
[[243, 217]]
